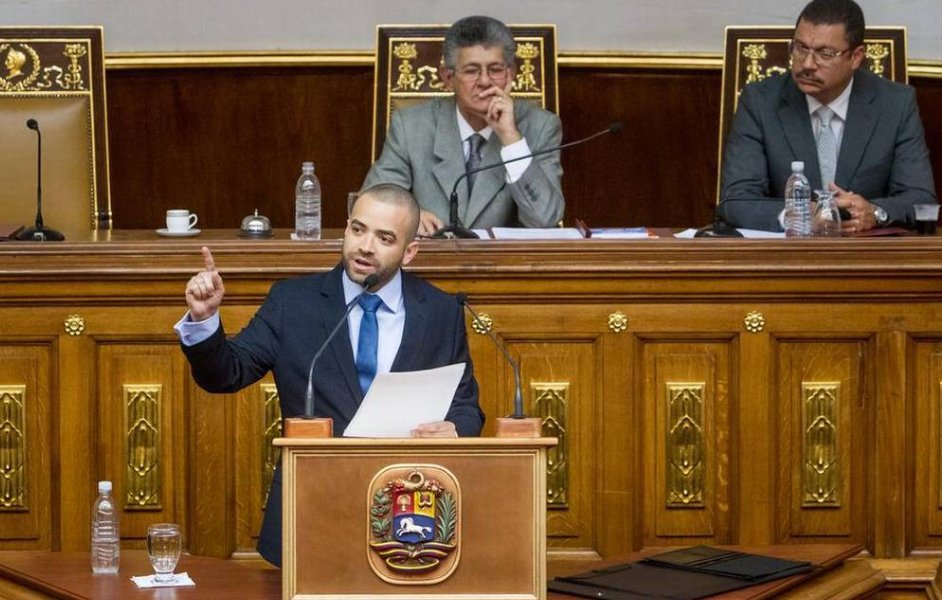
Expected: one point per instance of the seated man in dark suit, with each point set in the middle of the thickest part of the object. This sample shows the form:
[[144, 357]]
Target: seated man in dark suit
[[428, 147], [858, 134], [414, 326]]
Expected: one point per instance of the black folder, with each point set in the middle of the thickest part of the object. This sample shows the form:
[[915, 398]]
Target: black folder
[[685, 574]]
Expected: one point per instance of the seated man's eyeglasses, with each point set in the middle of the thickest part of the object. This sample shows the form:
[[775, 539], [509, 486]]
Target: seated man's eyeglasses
[[472, 72], [824, 56]]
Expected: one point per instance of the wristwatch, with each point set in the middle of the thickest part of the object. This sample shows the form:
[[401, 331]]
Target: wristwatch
[[880, 216]]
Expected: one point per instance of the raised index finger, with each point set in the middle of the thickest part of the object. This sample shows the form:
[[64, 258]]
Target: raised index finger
[[208, 259]]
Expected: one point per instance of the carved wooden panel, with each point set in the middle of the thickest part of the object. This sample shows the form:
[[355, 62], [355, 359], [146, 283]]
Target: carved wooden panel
[[823, 440], [927, 440], [687, 452], [257, 423], [142, 431], [25, 446]]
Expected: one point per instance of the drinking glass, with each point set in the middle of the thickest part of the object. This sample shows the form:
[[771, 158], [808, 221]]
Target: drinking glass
[[826, 219], [164, 544]]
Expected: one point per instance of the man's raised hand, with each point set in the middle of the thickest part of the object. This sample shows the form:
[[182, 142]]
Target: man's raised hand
[[204, 291]]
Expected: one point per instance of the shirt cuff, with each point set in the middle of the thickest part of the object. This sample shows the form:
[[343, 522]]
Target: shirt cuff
[[193, 332], [516, 150]]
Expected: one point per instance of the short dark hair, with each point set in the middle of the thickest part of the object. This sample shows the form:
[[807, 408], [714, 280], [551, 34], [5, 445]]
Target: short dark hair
[[833, 12], [478, 31], [390, 193]]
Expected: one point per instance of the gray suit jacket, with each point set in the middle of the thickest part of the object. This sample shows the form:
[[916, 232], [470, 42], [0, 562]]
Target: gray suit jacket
[[883, 155], [423, 153]]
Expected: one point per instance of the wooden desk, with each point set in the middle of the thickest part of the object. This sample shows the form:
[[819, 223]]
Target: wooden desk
[[638, 354], [69, 576], [833, 578]]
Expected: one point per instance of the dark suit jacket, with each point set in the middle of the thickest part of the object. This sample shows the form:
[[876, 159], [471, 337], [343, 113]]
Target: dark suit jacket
[[293, 323], [883, 155], [423, 153]]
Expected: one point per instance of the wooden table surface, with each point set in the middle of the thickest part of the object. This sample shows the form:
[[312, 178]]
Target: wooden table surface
[[68, 575]]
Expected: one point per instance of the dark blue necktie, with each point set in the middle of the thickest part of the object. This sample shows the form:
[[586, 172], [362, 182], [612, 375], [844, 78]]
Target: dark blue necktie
[[368, 340]]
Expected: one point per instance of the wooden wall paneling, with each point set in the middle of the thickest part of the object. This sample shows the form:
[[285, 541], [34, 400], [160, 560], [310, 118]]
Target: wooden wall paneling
[[687, 450], [824, 445], [925, 469], [888, 401], [251, 452], [27, 433], [754, 409], [142, 432]]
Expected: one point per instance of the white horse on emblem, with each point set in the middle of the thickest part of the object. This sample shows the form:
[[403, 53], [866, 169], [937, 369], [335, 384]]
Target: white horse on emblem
[[407, 525]]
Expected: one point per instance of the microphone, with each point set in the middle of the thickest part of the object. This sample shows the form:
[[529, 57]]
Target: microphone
[[368, 283], [39, 233], [456, 229], [518, 394]]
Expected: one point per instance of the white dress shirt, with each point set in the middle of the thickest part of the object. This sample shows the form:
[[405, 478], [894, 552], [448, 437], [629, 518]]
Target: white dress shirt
[[519, 148]]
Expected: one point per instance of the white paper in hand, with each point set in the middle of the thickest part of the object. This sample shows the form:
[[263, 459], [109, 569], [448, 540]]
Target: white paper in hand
[[397, 402]]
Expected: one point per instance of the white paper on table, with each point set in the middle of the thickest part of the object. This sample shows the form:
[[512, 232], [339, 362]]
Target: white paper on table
[[483, 234], [179, 580], [397, 402], [755, 234], [536, 233]]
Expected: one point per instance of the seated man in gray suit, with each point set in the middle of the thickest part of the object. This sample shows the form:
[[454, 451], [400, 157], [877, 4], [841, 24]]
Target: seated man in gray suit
[[858, 134], [428, 147]]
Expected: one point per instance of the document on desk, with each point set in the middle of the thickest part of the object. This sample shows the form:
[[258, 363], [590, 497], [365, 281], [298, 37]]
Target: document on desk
[[536, 233], [397, 402]]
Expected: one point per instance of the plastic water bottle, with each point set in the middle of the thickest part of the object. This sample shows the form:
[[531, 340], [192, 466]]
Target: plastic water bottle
[[106, 537], [307, 205], [797, 202]]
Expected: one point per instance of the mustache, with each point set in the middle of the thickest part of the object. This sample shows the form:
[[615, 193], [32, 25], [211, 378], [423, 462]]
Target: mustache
[[806, 76]]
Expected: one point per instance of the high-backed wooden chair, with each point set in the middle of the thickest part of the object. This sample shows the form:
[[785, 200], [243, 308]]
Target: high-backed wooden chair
[[753, 53], [56, 76], [409, 57]]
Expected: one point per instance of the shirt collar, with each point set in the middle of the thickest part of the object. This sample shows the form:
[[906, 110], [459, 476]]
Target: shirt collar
[[838, 105], [465, 130], [391, 293]]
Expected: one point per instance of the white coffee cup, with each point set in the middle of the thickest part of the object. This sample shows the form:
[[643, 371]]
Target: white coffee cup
[[180, 219]]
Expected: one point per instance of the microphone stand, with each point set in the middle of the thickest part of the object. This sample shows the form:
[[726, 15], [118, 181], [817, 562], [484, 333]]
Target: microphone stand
[[38, 233], [456, 229], [517, 425]]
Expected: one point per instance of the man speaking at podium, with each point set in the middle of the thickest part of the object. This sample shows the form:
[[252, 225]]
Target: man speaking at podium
[[415, 326], [429, 146]]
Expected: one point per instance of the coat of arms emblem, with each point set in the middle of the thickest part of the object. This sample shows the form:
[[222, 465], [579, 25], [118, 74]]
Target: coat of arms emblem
[[414, 524]]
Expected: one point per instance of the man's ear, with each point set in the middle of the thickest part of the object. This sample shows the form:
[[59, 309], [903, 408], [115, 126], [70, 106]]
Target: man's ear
[[857, 56], [412, 248]]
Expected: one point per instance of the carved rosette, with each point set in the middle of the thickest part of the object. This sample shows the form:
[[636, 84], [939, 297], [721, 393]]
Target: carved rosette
[[482, 324], [74, 325], [754, 322]]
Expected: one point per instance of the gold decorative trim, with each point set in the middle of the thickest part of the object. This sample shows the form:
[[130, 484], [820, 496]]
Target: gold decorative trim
[[74, 325], [754, 321], [142, 424], [14, 480], [820, 453], [482, 324], [618, 321], [685, 447], [271, 429], [694, 61], [550, 404]]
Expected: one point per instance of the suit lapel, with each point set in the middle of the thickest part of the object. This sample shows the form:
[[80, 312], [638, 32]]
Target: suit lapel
[[796, 123], [340, 348], [414, 330], [449, 155], [859, 127]]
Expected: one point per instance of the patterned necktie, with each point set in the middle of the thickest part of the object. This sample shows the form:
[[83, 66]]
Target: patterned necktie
[[368, 340], [474, 158], [827, 147]]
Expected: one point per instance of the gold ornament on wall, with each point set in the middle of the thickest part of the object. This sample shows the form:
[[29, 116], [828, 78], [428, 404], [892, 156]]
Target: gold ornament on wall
[[875, 53], [551, 405], [74, 324], [821, 462], [618, 321], [685, 445], [526, 78], [754, 322], [143, 431], [13, 474], [482, 324]]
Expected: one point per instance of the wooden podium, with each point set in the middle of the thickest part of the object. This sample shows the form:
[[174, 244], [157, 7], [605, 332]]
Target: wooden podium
[[414, 518]]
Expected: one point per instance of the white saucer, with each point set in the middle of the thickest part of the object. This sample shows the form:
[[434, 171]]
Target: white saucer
[[187, 233]]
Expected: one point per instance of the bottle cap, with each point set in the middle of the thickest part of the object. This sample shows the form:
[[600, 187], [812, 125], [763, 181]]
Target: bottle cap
[[798, 165], [307, 166], [104, 486]]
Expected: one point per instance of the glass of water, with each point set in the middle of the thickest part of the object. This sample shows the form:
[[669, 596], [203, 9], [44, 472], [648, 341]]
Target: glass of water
[[164, 544]]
